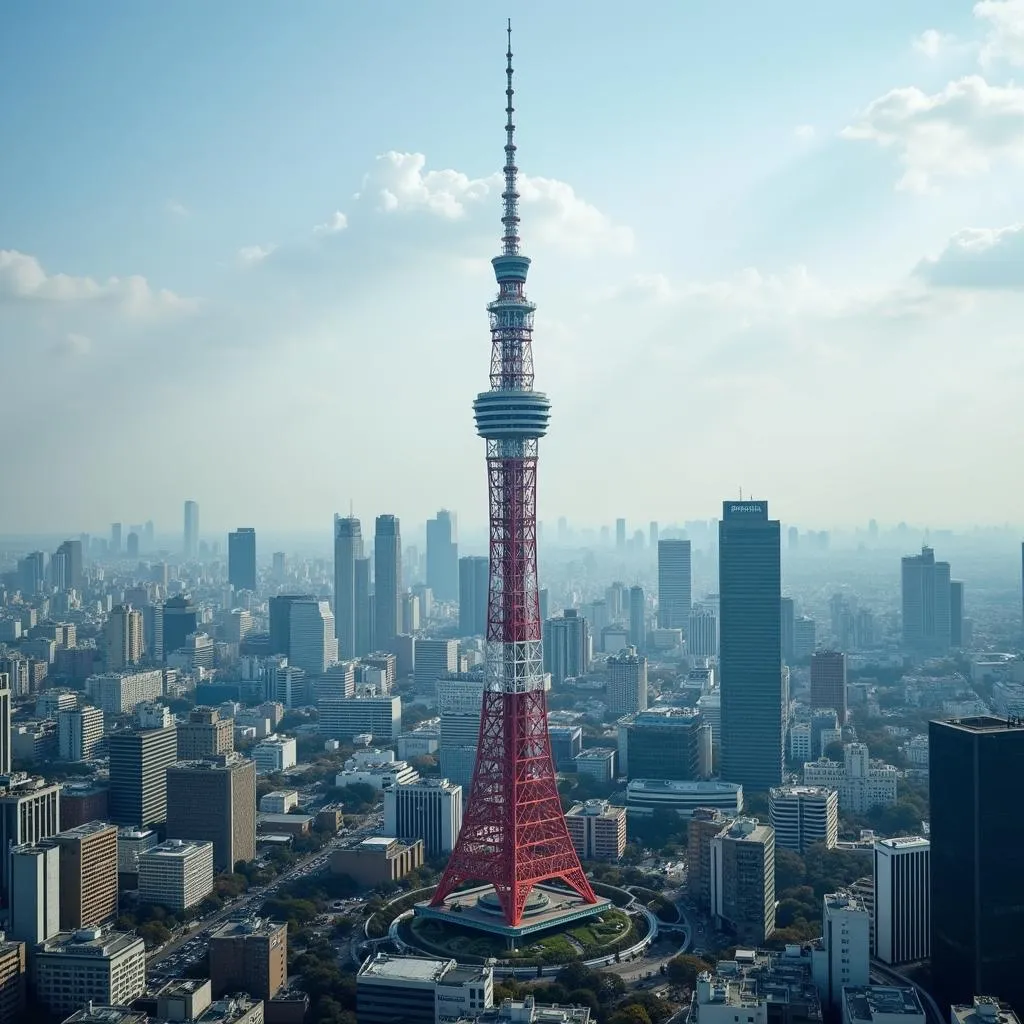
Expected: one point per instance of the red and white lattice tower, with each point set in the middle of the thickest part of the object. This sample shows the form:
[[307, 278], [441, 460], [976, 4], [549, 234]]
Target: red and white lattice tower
[[513, 831]]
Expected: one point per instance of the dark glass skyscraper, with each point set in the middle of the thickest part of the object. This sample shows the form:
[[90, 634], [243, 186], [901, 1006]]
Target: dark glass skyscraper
[[364, 607], [387, 572], [348, 546], [280, 609], [473, 584], [750, 645], [180, 621], [443, 557], [674, 584], [977, 837], [242, 558]]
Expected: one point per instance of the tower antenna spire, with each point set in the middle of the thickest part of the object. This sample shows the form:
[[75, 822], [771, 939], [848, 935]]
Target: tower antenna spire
[[510, 197]]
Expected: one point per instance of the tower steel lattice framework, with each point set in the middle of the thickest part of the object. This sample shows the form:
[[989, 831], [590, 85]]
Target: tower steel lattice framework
[[513, 831]]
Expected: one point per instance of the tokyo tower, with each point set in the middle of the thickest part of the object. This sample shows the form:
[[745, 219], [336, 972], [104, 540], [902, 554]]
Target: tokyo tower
[[513, 831]]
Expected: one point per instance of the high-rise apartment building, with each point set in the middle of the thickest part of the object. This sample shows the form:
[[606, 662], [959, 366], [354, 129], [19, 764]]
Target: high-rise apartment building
[[191, 545], [750, 643], [387, 571], [567, 646], [443, 556], [902, 899], [249, 956], [803, 816], [312, 645], [214, 799], [180, 621], [33, 912], [597, 830], [473, 584], [88, 875], [79, 733], [242, 558], [627, 682], [674, 584], [12, 979], [74, 574], [705, 823], [828, 682], [123, 636], [428, 809], [348, 547], [977, 859], [637, 617], [205, 733], [139, 760], [926, 603], [743, 879]]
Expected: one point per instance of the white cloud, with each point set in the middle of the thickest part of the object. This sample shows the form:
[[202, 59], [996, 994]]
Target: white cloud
[[22, 277], [961, 131], [804, 132], [335, 223], [250, 255], [553, 213], [1004, 40], [933, 43], [177, 209], [978, 258]]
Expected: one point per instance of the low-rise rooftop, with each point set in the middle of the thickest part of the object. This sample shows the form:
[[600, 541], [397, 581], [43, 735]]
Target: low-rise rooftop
[[864, 1002]]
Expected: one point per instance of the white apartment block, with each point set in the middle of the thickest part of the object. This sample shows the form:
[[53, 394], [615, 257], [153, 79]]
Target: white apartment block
[[861, 783], [341, 718], [274, 754], [803, 816], [427, 809], [844, 953], [79, 733], [117, 693], [51, 702], [597, 830], [177, 874], [280, 801], [902, 899]]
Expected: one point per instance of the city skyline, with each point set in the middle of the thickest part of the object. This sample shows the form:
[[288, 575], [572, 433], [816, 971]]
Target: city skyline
[[284, 268]]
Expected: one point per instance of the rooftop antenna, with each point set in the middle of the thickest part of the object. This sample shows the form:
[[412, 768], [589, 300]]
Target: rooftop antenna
[[510, 216]]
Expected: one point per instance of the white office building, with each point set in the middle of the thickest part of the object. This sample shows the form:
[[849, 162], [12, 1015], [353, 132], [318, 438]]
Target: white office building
[[861, 783], [382, 774], [434, 660], [280, 801], [459, 706], [177, 874], [79, 733], [650, 796], [131, 844], [341, 718], [274, 754], [800, 742], [843, 957], [117, 693], [902, 899], [803, 816], [312, 645], [427, 809], [702, 633], [34, 912]]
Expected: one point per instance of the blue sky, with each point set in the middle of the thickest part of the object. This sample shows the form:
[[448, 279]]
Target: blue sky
[[775, 245]]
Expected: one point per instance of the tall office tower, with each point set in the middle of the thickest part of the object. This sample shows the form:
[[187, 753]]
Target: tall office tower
[[743, 879], [33, 914], [956, 613], [661, 744], [805, 637], [139, 760], [429, 809], [459, 702], [124, 638], [153, 631], [705, 824], [191, 546], [443, 557], [312, 645], [977, 858], [473, 595], [365, 635], [794, 538], [242, 558], [75, 574], [179, 622], [5, 724], [249, 956], [57, 572], [513, 832], [280, 615], [29, 812], [149, 535], [205, 734], [828, 682], [79, 733], [627, 682], [637, 617], [926, 603], [115, 538], [788, 613], [750, 643], [279, 566], [32, 573], [620, 534], [88, 875], [348, 546], [214, 799], [803, 816], [567, 646], [903, 899], [674, 584], [542, 600], [652, 534], [435, 659], [387, 573], [702, 633], [131, 547]]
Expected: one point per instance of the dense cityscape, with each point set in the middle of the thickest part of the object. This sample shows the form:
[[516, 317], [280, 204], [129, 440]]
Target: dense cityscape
[[716, 769]]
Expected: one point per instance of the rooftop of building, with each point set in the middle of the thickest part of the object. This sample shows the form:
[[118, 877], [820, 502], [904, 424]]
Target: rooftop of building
[[526, 1011], [74, 789], [93, 1014], [275, 741], [176, 849], [864, 1001], [135, 833], [406, 968], [596, 754], [663, 717], [183, 986], [237, 927], [778, 792], [703, 786], [747, 830], [596, 809], [904, 843], [213, 763], [90, 942], [844, 899], [985, 724], [228, 1009], [90, 828], [281, 794], [756, 976], [984, 1010]]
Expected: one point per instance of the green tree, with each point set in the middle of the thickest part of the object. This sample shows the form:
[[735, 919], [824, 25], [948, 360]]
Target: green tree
[[789, 870], [683, 969], [632, 1013]]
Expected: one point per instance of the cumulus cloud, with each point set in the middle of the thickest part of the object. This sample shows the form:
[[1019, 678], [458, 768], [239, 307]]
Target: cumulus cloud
[[23, 278], [1004, 41], [249, 255], [553, 213], [335, 223], [978, 258], [961, 131], [933, 43]]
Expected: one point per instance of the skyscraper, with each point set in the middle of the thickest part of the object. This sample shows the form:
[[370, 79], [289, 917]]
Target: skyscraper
[[280, 614], [956, 613], [88, 875], [139, 760], [620, 534], [191, 545], [567, 646], [443, 557], [115, 539], [627, 682], [312, 645], [674, 584], [977, 859], [242, 558], [902, 899], [123, 635], [387, 571], [72, 550], [5, 724], [926, 603], [179, 621], [750, 642], [788, 612], [473, 581], [637, 617], [828, 682], [348, 546], [364, 610]]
